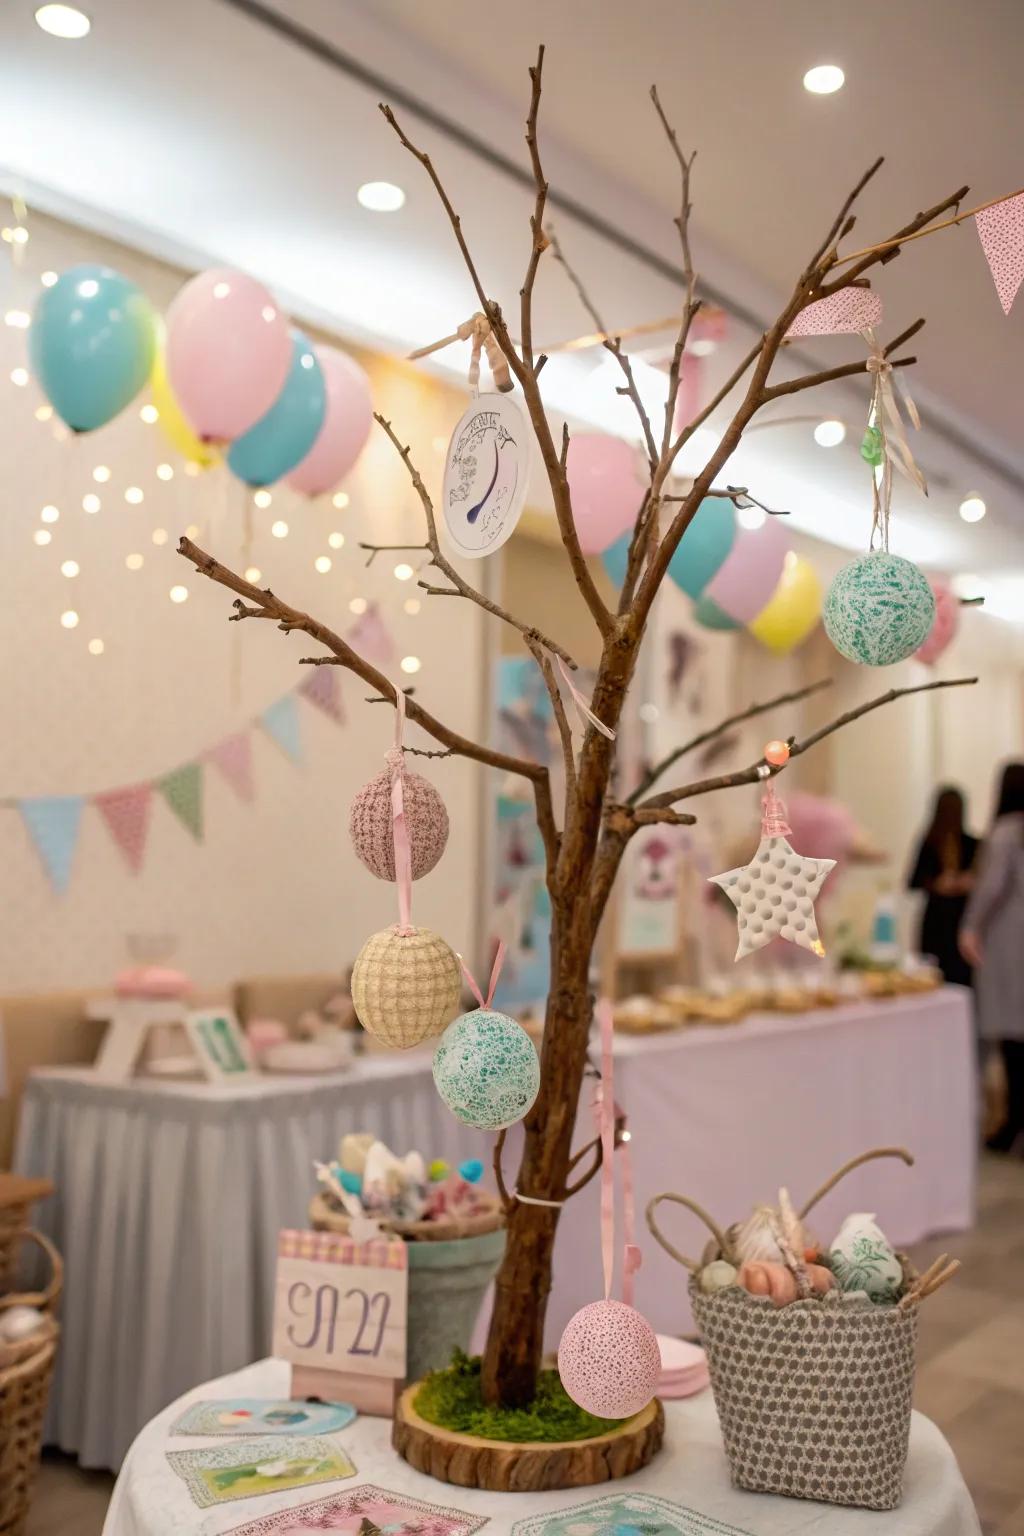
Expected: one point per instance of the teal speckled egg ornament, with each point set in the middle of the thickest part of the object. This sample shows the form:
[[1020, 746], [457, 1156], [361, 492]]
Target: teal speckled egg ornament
[[879, 609], [486, 1069]]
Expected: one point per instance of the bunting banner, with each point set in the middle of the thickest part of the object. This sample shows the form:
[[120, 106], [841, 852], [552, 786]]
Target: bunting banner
[[1001, 232], [841, 314], [53, 822]]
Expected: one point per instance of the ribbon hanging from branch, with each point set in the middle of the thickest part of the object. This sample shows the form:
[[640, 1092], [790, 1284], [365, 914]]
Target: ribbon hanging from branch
[[477, 329], [583, 709], [399, 825], [499, 959], [885, 420], [605, 1109]]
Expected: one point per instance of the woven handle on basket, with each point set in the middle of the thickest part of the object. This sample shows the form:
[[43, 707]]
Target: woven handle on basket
[[855, 1162], [47, 1298], [698, 1210]]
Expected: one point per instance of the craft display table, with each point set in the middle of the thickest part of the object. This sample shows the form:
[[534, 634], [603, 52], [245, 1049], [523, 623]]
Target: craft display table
[[170, 1196], [690, 1473]]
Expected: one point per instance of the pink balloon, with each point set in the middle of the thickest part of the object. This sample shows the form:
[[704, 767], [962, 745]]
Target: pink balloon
[[947, 622], [744, 583], [606, 493], [228, 352], [345, 429]]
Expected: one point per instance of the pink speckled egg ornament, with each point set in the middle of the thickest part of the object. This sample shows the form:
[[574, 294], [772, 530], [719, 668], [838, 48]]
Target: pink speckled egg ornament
[[371, 823], [609, 1359]]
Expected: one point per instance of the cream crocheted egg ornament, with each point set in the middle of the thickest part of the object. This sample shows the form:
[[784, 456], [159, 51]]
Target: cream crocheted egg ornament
[[609, 1360], [879, 609], [371, 828], [405, 985], [486, 1069]]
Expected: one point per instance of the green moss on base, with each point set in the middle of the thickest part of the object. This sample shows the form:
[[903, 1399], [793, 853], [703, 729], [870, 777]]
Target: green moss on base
[[454, 1400]]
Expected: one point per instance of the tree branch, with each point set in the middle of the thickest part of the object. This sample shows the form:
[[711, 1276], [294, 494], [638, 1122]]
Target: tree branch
[[595, 1167], [462, 587], [844, 371], [539, 238], [499, 1177], [652, 775], [691, 303], [756, 771], [887, 249]]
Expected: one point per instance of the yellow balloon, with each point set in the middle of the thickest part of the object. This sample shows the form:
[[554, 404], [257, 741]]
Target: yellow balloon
[[172, 422], [793, 609]]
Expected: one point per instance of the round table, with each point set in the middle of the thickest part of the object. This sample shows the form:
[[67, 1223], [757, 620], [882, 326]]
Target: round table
[[690, 1474]]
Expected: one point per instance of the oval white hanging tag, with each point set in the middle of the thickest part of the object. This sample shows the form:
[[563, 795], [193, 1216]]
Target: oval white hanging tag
[[485, 476]]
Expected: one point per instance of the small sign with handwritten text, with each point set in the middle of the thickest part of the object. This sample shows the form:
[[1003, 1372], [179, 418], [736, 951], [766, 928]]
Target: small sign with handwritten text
[[339, 1305]]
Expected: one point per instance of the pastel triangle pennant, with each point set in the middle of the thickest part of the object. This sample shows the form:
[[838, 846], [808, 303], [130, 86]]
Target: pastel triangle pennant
[[370, 636], [126, 813], [1001, 232], [841, 314], [323, 688], [233, 756], [52, 822], [281, 723], [182, 788]]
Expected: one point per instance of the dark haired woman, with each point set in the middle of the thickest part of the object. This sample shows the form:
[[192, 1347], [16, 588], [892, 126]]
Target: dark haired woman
[[943, 872], [992, 940]]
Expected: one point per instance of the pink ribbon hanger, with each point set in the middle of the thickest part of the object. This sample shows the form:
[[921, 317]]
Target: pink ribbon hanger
[[583, 709], [773, 815], [499, 957], [399, 825], [606, 1112]]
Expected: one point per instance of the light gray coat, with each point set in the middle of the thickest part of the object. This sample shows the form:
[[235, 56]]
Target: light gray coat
[[996, 913]]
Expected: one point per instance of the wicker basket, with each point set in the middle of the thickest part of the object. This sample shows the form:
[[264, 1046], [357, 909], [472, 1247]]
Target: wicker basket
[[813, 1398], [26, 1369], [324, 1217], [17, 1196]]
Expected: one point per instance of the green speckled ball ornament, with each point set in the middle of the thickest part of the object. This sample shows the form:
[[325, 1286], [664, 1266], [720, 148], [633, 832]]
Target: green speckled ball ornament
[[486, 1069], [879, 609]]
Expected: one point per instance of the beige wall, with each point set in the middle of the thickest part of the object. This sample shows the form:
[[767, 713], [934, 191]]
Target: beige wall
[[275, 886]]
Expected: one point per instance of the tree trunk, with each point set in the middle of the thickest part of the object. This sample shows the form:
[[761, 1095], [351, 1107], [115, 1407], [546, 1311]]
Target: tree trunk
[[516, 1339]]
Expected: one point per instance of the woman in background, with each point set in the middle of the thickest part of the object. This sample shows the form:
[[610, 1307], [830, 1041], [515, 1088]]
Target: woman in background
[[992, 940], [943, 872]]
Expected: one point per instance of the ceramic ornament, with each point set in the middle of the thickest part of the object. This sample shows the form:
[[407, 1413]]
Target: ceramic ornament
[[774, 894], [609, 1359], [879, 609], [862, 1259], [370, 821], [486, 1067]]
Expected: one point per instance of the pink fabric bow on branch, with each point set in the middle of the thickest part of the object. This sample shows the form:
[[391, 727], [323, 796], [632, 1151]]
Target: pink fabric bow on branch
[[604, 1104]]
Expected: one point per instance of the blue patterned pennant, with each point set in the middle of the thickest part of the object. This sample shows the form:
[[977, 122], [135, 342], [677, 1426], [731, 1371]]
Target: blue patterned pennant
[[52, 824]]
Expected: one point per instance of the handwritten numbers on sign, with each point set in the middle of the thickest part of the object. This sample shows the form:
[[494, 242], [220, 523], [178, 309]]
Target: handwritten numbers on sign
[[341, 1306]]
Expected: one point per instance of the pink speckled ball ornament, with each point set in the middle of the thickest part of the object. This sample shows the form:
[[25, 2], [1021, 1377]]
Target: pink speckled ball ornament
[[371, 823], [609, 1359]]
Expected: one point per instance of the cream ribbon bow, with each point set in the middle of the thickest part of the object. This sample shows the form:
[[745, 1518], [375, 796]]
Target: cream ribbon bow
[[885, 415], [476, 329]]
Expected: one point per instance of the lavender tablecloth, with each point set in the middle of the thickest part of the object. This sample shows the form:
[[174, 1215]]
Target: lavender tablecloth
[[170, 1196]]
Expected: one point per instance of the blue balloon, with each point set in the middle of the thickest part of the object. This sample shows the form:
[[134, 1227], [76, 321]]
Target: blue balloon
[[704, 546], [92, 344], [708, 614], [616, 558], [282, 438]]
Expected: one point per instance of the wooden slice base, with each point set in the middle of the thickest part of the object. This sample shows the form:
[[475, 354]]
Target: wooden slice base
[[505, 1466]]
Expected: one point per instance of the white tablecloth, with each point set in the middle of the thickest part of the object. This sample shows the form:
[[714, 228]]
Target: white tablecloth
[[170, 1196], [150, 1500]]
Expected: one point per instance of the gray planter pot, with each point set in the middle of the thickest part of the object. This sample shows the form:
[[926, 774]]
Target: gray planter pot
[[447, 1281]]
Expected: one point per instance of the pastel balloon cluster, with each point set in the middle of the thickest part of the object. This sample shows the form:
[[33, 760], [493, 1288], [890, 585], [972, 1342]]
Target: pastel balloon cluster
[[737, 577], [226, 372]]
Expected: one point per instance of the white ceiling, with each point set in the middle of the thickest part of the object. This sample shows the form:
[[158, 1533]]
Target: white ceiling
[[200, 132]]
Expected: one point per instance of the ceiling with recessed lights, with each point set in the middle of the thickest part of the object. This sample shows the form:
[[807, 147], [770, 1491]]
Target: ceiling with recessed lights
[[206, 132]]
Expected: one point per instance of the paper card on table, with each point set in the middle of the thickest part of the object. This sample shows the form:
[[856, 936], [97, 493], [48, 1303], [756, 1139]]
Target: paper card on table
[[623, 1512], [340, 1305], [358, 1511], [269, 1464], [263, 1416], [222, 1049]]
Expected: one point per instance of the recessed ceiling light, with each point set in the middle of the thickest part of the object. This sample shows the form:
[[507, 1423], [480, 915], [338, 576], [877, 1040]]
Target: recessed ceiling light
[[340, 500], [65, 21], [336, 540], [69, 619], [381, 196], [751, 517], [179, 594], [829, 434], [322, 564], [823, 79], [410, 664], [972, 508], [95, 647]]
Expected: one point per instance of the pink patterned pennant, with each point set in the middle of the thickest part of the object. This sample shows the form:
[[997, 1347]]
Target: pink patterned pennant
[[841, 314], [233, 756], [322, 687], [370, 636], [1001, 232], [126, 813]]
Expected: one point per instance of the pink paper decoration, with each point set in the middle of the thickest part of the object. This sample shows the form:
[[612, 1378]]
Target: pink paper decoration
[[233, 756], [841, 314], [370, 824], [1001, 232], [346, 427], [947, 622], [744, 583], [609, 1359], [606, 493], [126, 813], [370, 636], [323, 688]]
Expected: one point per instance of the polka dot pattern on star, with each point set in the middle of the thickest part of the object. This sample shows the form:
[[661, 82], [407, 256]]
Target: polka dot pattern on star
[[774, 896]]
